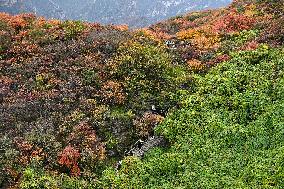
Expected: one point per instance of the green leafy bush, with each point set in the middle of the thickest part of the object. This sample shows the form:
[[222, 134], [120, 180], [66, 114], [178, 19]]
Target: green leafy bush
[[35, 179], [228, 133], [147, 73], [73, 29]]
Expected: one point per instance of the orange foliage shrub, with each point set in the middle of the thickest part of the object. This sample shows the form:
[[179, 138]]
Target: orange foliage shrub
[[195, 65], [122, 27], [203, 38], [156, 35], [54, 22], [19, 21]]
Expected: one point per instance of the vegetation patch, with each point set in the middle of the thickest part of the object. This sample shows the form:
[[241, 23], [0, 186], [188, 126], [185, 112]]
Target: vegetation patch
[[192, 102]]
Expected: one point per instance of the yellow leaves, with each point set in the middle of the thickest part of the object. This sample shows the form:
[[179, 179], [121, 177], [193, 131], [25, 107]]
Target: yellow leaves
[[206, 42], [76, 116], [39, 78], [99, 111], [188, 34], [250, 10], [195, 65], [44, 81], [202, 38]]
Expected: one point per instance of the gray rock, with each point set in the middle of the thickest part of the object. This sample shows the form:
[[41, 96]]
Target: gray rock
[[145, 146]]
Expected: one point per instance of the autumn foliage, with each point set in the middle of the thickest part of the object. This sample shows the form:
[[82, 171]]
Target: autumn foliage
[[76, 96], [69, 157], [233, 22]]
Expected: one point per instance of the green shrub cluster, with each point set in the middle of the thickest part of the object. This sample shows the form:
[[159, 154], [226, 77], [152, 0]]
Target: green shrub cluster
[[228, 132], [148, 74], [35, 179]]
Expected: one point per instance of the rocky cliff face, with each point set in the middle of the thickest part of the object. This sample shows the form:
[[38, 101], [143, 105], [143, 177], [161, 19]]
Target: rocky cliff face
[[46, 8], [136, 13]]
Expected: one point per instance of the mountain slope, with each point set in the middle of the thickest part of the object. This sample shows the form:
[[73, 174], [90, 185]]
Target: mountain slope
[[226, 130], [195, 101], [44, 8], [137, 13], [227, 133]]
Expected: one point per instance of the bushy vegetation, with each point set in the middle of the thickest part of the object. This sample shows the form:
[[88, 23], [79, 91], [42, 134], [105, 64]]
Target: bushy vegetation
[[75, 98], [226, 133]]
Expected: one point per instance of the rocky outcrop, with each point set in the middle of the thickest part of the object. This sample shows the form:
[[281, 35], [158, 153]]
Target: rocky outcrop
[[141, 147]]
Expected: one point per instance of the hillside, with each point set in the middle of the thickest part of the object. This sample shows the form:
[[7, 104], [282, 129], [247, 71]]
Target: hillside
[[135, 13], [195, 101]]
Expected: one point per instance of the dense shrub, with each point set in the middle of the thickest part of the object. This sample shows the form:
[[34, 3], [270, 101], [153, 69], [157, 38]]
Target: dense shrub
[[233, 22], [69, 157], [145, 125], [34, 178], [69, 101], [76, 98], [227, 134], [144, 70]]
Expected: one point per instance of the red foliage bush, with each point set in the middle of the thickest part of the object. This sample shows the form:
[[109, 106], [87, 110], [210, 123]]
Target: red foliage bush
[[69, 157], [219, 59], [84, 137], [233, 22], [250, 46]]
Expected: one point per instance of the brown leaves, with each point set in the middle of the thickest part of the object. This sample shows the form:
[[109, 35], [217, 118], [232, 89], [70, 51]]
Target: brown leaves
[[112, 92], [28, 151], [145, 124], [84, 137]]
